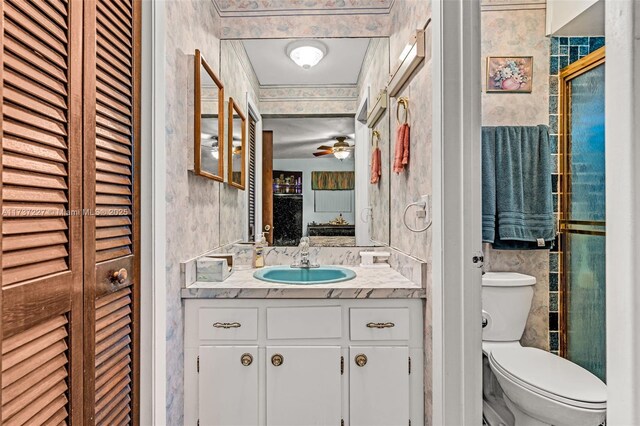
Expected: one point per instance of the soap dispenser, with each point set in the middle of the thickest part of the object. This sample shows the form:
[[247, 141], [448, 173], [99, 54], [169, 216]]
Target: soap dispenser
[[258, 251]]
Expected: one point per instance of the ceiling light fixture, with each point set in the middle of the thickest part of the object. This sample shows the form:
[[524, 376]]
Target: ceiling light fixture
[[306, 53], [341, 155]]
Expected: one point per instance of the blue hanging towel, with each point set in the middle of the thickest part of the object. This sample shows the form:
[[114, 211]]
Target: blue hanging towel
[[523, 209]]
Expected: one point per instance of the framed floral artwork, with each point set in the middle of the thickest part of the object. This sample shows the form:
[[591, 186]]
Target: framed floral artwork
[[509, 74]]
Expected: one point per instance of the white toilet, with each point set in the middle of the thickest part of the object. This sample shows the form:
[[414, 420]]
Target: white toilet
[[539, 388]]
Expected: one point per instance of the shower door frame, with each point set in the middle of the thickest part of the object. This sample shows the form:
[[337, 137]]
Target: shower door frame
[[565, 225]]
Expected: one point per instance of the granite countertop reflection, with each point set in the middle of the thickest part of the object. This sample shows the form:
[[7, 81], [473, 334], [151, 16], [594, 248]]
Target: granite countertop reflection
[[368, 284]]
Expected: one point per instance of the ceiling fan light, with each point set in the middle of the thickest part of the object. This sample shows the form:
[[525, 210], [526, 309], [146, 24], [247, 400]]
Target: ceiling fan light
[[341, 155], [306, 53]]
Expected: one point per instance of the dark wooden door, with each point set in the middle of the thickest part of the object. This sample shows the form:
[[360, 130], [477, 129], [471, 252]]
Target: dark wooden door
[[111, 190], [42, 265], [267, 185]]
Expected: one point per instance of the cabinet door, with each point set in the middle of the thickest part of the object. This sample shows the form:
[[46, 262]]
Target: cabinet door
[[305, 387], [228, 386], [379, 386]]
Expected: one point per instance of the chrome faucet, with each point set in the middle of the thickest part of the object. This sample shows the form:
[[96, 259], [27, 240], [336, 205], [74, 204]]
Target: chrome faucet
[[304, 261]]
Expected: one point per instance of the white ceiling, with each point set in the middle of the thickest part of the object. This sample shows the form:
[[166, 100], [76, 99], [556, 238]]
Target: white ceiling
[[341, 65], [299, 137]]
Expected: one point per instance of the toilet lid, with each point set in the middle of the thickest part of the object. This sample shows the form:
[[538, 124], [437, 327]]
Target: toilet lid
[[551, 373]]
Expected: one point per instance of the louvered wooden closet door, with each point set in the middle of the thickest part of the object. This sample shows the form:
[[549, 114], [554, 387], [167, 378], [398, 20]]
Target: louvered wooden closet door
[[41, 128], [112, 245]]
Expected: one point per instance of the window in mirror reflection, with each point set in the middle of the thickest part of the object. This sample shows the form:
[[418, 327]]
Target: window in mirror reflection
[[236, 145], [208, 126]]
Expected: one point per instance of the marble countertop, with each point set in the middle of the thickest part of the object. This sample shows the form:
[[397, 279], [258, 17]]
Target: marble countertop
[[368, 284]]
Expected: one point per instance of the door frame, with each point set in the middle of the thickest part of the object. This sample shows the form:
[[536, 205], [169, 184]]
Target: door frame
[[362, 171], [456, 280], [153, 220], [622, 117]]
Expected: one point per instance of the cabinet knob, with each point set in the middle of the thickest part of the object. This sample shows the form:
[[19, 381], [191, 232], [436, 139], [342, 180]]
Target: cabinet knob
[[119, 276], [246, 359], [361, 360], [277, 360]]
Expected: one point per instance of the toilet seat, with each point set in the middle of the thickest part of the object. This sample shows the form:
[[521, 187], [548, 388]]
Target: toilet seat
[[550, 376]]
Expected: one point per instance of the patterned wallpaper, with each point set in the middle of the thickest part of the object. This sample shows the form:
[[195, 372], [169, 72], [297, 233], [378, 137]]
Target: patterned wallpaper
[[520, 33], [305, 100], [300, 7]]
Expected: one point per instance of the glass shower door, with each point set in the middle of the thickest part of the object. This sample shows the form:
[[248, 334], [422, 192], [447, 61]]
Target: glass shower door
[[582, 217]]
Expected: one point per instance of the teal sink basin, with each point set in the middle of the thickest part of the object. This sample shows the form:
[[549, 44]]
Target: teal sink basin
[[301, 276]]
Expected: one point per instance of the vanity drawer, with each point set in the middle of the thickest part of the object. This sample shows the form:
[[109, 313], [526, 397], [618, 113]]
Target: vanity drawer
[[379, 323], [310, 322], [228, 324]]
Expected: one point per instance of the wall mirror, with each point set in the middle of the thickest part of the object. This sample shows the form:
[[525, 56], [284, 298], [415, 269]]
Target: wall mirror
[[237, 139], [209, 122], [312, 173]]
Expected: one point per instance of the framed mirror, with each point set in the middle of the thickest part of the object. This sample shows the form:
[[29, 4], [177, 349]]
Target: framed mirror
[[208, 122], [237, 137]]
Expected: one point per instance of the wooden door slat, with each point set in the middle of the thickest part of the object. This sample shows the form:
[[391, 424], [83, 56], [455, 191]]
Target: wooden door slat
[[104, 188], [113, 146], [121, 345], [114, 402], [24, 210], [36, 77], [22, 178], [109, 71], [110, 254], [20, 193], [112, 94], [32, 149], [109, 243], [108, 54], [13, 226], [21, 386], [112, 178], [35, 83], [113, 125], [36, 165], [34, 104], [32, 361], [59, 5], [106, 166], [120, 32], [44, 20], [103, 302], [119, 376], [20, 242], [32, 393], [24, 131], [22, 59], [43, 123], [41, 409], [112, 371], [106, 222], [59, 17], [14, 275], [105, 100], [29, 23], [102, 233], [31, 256], [114, 13], [14, 342], [120, 309], [113, 157], [28, 40]]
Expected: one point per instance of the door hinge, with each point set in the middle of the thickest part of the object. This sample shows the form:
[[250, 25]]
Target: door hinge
[[409, 422], [409, 365], [198, 366], [341, 422], [198, 422], [341, 365]]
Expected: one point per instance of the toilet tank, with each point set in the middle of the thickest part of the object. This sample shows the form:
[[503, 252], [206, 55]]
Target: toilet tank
[[506, 300]]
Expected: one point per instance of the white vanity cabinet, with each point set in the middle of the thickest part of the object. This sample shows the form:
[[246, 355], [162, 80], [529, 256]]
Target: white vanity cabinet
[[293, 362]]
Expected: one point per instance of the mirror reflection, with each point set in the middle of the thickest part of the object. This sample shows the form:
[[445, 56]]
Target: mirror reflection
[[209, 96], [311, 174], [236, 145]]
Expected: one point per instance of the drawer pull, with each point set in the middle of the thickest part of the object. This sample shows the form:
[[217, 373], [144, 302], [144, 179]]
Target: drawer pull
[[227, 325], [246, 359], [277, 360], [361, 360], [380, 325]]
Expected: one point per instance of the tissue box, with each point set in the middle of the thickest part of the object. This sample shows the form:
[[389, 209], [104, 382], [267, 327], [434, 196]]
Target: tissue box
[[214, 268]]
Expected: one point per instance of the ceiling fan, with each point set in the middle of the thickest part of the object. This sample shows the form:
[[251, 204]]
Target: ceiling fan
[[340, 149]]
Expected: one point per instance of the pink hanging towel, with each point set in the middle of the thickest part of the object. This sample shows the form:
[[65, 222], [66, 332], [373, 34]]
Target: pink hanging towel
[[376, 165], [401, 157]]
